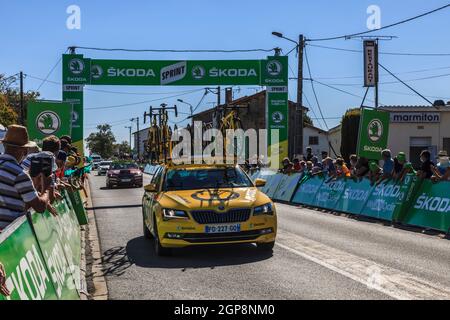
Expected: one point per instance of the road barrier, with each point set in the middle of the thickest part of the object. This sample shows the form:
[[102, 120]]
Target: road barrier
[[412, 201], [42, 253], [78, 207]]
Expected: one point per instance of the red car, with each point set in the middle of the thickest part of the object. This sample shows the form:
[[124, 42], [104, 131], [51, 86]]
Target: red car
[[124, 174]]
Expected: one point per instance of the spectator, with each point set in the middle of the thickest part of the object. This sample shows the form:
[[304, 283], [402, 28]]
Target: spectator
[[3, 289], [426, 169], [353, 163], [388, 164], [362, 167], [324, 155], [375, 172], [443, 163], [309, 154], [328, 167], [297, 167], [342, 169], [309, 167], [17, 192], [287, 166]]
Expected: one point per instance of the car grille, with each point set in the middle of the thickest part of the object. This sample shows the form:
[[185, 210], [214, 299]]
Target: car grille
[[211, 216]]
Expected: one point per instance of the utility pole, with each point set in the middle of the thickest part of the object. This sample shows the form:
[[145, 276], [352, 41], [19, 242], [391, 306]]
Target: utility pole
[[129, 127], [298, 142], [22, 111], [138, 138]]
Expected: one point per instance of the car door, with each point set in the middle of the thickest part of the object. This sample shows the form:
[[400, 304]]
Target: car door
[[156, 180]]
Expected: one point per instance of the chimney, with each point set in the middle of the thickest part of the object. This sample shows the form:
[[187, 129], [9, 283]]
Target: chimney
[[228, 95]]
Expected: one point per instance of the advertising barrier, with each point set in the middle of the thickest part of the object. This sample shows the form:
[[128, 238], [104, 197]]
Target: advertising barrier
[[78, 207], [329, 194], [355, 196], [307, 190], [272, 182], [430, 207], [42, 254], [287, 187]]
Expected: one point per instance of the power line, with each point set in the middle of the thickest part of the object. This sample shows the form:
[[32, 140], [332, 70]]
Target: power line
[[382, 28], [382, 52], [141, 102], [49, 73], [173, 50], [409, 87], [393, 82]]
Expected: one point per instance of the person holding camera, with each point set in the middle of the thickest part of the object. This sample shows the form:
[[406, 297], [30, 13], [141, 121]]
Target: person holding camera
[[17, 192]]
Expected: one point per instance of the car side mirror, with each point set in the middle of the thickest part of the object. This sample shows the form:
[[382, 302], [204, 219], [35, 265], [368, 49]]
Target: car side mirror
[[260, 182], [151, 187]]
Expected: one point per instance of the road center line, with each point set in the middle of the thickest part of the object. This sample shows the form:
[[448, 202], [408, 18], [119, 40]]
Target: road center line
[[390, 281]]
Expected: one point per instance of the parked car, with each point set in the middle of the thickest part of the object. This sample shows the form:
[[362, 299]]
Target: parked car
[[103, 167], [124, 174], [96, 159]]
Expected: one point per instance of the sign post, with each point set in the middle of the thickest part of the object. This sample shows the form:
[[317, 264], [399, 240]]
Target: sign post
[[373, 133]]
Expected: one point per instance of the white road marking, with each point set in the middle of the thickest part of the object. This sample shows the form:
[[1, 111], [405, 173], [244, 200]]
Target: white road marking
[[390, 281]]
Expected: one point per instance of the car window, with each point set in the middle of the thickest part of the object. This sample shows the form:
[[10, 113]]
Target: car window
[[157, 177], [119, 166], [190, 179]]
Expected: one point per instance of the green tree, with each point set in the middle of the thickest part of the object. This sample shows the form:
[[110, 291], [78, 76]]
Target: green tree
[[7, 114], [123, 148], [349, 132], [307, 119], [12, 95], [102, 142]]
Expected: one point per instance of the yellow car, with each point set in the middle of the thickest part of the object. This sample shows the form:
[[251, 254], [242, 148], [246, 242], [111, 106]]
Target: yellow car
[[186, 205]]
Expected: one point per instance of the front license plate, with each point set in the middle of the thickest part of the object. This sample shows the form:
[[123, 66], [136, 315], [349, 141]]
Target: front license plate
[[236, 227], [126, 180]]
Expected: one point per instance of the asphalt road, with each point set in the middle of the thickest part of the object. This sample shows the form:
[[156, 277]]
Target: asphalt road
[[318, 256]]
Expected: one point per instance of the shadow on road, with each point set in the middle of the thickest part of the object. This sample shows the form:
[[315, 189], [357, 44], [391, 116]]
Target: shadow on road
[[139, 251]]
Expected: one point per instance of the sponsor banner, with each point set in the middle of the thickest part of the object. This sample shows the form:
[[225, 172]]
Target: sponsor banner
[[277, 116], [329, 194], [45, 118], [373, 133], [355, 196], [166, 72], [76, 69], [57, 239], [75, 99], [306, 192], [370, 63], [77, 206], [382, 201], [272, 183], [287, 187], [27, 275], [274, 71], [415, 117], [430, 207]]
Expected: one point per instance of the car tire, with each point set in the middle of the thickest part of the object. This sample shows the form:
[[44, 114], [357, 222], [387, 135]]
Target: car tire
[[159, 250], [267, 246]]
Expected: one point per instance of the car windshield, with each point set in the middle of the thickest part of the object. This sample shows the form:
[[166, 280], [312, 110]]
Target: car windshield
[[190, 179], [118, 166], [105, 163]]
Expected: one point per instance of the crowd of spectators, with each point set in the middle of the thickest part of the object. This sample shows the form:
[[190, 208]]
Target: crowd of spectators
[[388, 168]]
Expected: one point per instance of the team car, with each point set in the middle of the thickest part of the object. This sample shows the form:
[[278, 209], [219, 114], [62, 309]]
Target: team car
[[190, 205], [124, 173]]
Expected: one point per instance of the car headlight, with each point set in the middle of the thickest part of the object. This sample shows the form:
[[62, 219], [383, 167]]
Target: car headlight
[[174, 214], [264, 209]]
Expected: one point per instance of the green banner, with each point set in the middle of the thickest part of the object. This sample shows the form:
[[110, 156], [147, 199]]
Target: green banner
[[306, 192], [272, 182], [431, 206], [373, 133], [78, 207], [355, 196], [329, 194], [27, 275], [45, 118], [287, 187]]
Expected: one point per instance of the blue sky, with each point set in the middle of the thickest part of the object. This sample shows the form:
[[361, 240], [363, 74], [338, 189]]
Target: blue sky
[[35, 35]]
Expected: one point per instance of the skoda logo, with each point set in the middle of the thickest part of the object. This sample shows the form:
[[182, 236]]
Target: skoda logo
[[198, 72], [96, 72], [274, 68], [277, 117], [375, 130], [76, 66], [48, 122], [74, 116]]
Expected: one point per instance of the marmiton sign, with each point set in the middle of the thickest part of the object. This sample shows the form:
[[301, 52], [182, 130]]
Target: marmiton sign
[[415, 117]]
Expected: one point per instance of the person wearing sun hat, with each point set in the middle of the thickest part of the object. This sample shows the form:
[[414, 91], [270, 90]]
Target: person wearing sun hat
[[17, 192]]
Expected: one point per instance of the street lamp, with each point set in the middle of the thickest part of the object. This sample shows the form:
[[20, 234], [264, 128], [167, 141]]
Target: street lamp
[[129, 127], [298, 136], [190, 106], [138, 142]]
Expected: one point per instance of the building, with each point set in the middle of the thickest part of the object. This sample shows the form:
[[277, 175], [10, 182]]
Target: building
[[315, 138], [2, 135], [143, 137], [334, 139], [252, 112], [416, 128]]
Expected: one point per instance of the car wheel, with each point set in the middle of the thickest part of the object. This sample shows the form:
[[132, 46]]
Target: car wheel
[[159, 250], [268, 246]]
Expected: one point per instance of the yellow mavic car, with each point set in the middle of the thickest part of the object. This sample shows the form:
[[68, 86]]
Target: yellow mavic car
[[203, 204]]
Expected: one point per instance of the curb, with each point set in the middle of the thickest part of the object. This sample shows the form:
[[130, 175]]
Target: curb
[[97, 283]]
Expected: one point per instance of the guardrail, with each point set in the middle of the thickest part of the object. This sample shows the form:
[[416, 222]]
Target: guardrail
[[42, 253], [412, 201]]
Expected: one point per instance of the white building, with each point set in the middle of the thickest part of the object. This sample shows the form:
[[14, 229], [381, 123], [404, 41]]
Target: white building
[[317, 139], [143, 136], [416, 128]]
